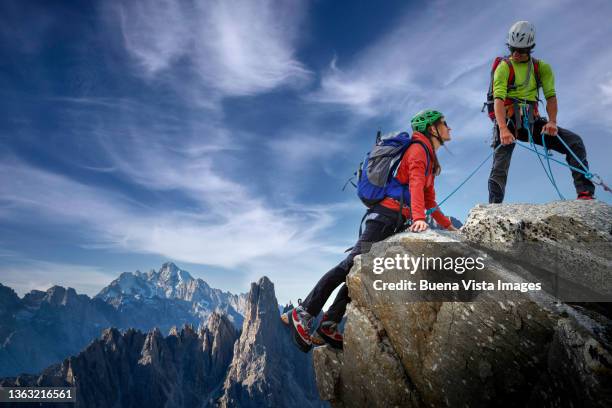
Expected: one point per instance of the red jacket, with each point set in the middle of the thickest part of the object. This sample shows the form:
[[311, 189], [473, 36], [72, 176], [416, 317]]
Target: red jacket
[[411, 171]]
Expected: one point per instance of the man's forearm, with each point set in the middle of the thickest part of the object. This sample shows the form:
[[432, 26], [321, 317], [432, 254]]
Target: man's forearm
[[551, 109], [500, 113]]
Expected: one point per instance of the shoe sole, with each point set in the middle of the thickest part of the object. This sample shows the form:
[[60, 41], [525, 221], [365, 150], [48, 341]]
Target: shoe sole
[[285, 317], [332, 342], [317, 340]]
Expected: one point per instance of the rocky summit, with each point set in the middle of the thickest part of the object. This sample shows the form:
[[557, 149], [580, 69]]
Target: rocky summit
[[484, 348]]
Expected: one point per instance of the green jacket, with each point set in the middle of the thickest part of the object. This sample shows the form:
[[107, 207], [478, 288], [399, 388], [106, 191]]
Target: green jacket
[[527, 92]]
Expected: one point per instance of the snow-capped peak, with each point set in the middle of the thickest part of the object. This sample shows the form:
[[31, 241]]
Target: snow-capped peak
[[169, 272], [169, 282]]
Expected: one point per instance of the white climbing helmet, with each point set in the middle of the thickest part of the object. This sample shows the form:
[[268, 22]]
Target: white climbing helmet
[[521, 35]]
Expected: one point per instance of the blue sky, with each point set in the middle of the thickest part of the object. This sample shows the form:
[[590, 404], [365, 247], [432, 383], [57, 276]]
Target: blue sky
[[218, 134]]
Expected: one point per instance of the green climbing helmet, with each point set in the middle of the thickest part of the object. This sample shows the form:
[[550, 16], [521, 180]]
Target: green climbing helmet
[[425, 118]]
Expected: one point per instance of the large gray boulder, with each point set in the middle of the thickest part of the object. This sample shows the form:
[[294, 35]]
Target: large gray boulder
[[482, 348], [564, 243]]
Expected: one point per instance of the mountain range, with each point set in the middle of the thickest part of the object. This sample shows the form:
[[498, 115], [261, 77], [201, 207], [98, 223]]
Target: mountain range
[[44, 327], [217, 365]]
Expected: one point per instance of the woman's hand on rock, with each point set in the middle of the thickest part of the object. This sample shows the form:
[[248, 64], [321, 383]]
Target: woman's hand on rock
[[418, 226]]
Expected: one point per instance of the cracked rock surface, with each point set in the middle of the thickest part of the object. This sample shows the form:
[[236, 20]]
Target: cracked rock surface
[[493, 348]]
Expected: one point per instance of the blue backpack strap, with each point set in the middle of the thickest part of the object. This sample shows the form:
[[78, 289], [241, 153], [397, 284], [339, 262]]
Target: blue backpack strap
[[400, 218]]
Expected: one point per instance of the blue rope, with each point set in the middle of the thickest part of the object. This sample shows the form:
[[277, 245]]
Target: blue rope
[[431, 210], [553, 159], [550, 176], [586, 172], [534, 149]]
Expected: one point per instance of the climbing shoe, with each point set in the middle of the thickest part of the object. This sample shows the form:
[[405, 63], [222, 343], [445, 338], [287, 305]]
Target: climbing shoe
[[286, 316], [301, 325], [328, 331], [585, 195]]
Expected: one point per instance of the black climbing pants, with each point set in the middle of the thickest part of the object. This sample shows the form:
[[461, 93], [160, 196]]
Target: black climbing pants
[[502, 156], [379, 224]]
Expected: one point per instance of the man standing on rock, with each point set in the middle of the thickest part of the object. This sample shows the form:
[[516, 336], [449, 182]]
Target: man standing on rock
[[515, 85], [417, 170]]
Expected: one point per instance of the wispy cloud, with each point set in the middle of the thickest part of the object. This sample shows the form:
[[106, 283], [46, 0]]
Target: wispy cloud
[[236, 47], [298, 150], [155, 32], [7, 253], [23, 274], [414, 65], [365, 86], [606, 89], [228, 227]]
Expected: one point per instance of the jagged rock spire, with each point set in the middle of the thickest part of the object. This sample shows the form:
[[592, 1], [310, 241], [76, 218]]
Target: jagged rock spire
[[267, 370]]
